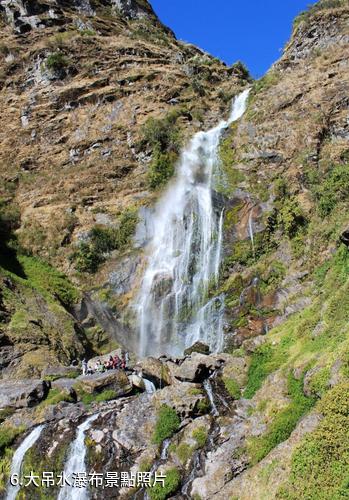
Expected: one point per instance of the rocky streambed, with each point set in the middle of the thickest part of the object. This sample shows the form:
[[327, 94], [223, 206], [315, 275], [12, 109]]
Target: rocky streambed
[[190, 430]]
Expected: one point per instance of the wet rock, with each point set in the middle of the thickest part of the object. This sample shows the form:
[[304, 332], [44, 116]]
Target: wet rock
[[22, 393], [199, 347], [195, 368], [224, 460], [187, 399], [133, 427], [137, 381], [154, 370], [114, 379]]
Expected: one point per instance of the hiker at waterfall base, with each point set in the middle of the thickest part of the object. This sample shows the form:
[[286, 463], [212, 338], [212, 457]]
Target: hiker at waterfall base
[[116, 362]]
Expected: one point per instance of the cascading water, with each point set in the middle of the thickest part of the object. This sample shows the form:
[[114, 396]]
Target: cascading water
[[185, 254], [18, 457], [149, 386], [76, 463]]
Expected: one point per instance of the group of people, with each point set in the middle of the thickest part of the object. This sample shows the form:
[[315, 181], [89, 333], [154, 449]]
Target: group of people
[[113, 363]]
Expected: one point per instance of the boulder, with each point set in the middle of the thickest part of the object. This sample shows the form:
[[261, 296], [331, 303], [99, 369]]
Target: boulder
[[235, 367], [155, 371], [189, 400], [22, 393], [116, 380], [195, 368], [199, 347], [251, 345], [137, 381]]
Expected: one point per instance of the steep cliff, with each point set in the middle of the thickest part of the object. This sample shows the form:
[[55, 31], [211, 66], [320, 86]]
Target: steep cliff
[[96, 100], [268, 417]]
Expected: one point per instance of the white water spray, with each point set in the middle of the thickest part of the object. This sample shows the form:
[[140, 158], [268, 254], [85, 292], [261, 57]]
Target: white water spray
[[18, 458], [149, 386], [76, 463], [184, 255]]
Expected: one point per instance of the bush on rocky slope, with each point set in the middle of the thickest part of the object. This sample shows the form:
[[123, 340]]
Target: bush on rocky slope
[[166, 425]]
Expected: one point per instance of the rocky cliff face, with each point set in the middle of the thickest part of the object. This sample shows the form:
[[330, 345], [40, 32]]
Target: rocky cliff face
[[85, 89], [266, 419]]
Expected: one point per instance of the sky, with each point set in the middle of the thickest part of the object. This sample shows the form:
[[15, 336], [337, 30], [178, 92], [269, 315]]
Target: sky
[[253, 31]]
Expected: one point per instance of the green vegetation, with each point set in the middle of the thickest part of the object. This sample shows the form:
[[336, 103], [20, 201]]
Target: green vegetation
[[265, 361], [172, 482], [305, 17], [290, 217], [329, 189], [232, 387], [103, 240], [87, 398], [52, 284], [200, 435], [227, 181], [241, 70], [203, 406], [57, 63], [167, 424], [320, 464], [184, 452], [5, 468], [163, 136], [56, 396], [268, 80], [161, 168], [283, 423], [8, 434]]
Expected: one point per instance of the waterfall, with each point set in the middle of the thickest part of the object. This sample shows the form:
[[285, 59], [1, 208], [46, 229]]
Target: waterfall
[[149, 386], [250, 230], [18, 457], [184, 254], [76, 463], [208, 388]]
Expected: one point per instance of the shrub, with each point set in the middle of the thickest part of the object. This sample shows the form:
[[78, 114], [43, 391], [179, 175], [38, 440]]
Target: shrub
[[162, 134], [290, 217], [86, 259], [332, 189], [241, 70], [102, 240], [172, 482], [232, 387], [57, 62], [318, 7], [200, 436], [167, 424], [161, 168]]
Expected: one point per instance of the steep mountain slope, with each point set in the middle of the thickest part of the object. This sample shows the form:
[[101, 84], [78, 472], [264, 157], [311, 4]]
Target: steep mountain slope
[[96, 99]]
